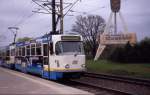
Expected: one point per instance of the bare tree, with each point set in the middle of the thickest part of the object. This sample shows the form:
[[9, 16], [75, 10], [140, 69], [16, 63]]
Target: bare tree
[[24, 39], [90, 27]]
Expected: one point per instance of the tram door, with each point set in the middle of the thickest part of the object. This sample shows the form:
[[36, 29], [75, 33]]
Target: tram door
[[46, 66]]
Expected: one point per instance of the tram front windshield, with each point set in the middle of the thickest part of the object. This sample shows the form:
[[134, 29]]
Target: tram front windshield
[[69, 47]]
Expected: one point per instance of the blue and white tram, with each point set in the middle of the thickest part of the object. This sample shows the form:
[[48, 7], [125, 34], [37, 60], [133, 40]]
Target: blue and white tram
[[53, 57]]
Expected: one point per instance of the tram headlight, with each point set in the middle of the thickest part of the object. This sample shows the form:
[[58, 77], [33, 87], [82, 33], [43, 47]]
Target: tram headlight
[[83, 65], [67, 66]]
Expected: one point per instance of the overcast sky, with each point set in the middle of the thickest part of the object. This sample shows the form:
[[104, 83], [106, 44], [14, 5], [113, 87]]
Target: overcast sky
[[19, 13]]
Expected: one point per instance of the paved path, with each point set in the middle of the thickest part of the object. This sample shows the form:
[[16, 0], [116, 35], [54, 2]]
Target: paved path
[[13, 82]]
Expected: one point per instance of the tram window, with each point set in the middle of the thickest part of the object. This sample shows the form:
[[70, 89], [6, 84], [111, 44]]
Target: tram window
[[16, 51], [32, 49], [8, 52], [51, 48], [45, 61], [23, 51], [38, 49], [32, 45], [45, 49], [3, 54], [28, 50], [68, 47], [7, 58], [13, 52], [58, 49], [28, 46], [20, 51]]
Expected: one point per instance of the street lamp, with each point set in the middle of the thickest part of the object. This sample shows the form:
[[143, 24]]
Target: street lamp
[[14, 31]]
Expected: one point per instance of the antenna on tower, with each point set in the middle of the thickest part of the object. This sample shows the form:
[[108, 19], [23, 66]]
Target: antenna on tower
[[115, 7]]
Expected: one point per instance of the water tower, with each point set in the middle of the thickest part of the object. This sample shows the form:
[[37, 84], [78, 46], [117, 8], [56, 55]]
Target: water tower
[[113, 18]]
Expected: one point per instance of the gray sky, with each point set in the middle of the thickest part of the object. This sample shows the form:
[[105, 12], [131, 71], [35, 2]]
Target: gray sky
[[19, 12]]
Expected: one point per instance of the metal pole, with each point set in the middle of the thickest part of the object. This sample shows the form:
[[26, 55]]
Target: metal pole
[[61, 17], [48, 46], [115, 23], [15, 35], [14, 32], [53, 17]]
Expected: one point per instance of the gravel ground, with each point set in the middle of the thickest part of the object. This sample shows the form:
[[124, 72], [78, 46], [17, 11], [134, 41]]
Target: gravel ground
[[127, 87], [90, 89]]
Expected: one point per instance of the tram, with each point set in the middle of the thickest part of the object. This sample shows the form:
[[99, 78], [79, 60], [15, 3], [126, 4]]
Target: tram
[[50, 56]]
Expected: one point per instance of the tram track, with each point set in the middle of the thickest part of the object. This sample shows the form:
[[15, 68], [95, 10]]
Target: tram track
[[131, 80], [103, 84], [116, 84], [100, 90]]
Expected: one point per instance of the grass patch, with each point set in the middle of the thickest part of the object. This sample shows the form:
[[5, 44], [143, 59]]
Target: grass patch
[[104, 66]]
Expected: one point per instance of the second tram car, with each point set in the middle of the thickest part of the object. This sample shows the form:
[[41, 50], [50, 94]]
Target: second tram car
[[7, 56]]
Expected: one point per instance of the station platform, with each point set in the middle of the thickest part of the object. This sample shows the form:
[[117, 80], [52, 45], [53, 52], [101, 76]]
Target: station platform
[[13, 82]]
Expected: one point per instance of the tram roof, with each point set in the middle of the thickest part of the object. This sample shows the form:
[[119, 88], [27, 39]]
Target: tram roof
[[43, 39]]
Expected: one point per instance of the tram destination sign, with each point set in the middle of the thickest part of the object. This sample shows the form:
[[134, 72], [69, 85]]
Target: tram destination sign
[[118, 38], [70, 38]]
